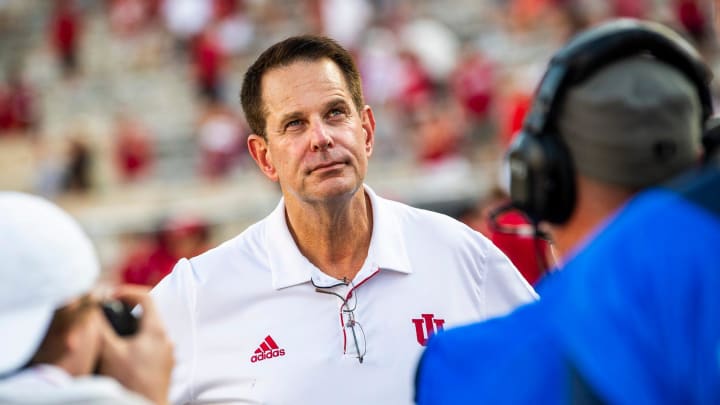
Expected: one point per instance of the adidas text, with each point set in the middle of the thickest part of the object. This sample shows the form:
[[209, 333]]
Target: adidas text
[[267, 355]]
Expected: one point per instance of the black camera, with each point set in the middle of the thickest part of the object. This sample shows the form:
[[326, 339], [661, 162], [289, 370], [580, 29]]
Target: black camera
[[120, 316]]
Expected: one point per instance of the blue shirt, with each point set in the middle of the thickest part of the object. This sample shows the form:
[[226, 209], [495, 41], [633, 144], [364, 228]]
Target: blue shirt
[[636, 314]]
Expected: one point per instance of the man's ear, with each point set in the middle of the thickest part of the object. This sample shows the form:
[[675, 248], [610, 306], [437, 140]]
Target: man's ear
[[258, 147], [368, 124]]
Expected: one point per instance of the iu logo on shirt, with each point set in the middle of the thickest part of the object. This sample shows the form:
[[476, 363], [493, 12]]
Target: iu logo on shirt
[[268, 349], [431, 327]]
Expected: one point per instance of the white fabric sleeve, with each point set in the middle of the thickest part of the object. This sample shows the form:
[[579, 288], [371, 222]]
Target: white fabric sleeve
[[505, 288], [176, 299]]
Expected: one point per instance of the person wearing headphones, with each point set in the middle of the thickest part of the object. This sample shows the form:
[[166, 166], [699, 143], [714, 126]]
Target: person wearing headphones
[[620, 110], [56, 345]]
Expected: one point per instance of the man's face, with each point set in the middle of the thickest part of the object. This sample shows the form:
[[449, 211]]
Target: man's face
[[317, 144]]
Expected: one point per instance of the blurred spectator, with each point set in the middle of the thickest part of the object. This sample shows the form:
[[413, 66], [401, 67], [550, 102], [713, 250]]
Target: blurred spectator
[[436, 46], [65, 30], [17, 105], [133, 148], [222, 141], [345, 20], [380, 66], [185, 19], [514, 101], [440, 132], [416, 86], [178, 237], [235, 31], [472, 85], [511, 231], [137, 37], [517, 105], [208, 60], [690, 15], [78, 167]]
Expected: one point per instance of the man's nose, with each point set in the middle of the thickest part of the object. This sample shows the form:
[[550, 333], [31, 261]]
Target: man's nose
[[320, 138]]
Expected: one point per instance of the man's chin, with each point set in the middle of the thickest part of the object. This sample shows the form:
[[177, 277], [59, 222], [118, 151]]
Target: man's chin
[[334, 189]]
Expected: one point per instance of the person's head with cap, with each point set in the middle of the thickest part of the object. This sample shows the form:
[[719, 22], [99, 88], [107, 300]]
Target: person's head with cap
[[48, 268], [632, 124]]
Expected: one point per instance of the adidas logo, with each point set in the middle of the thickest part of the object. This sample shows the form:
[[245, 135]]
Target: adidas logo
[[267, 350]]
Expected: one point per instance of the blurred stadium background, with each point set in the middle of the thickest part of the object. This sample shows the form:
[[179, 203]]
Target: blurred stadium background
[[126, 112]]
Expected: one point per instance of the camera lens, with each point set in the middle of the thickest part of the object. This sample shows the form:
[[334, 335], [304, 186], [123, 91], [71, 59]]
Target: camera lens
[[120, 316]]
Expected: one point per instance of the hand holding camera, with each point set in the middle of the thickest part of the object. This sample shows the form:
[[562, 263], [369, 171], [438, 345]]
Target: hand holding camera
[[136, 351]]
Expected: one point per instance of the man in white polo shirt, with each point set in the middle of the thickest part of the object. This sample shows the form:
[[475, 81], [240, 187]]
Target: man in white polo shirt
[[331, 298]]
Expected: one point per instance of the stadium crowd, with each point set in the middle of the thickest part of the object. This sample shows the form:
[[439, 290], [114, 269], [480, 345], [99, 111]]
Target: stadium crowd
[[104, 100]]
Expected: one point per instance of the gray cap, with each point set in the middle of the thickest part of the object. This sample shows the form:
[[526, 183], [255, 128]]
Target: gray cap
[[634, 123]]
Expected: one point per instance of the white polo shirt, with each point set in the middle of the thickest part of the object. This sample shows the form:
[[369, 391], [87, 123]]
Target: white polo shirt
[[48, 385], [250, 327]]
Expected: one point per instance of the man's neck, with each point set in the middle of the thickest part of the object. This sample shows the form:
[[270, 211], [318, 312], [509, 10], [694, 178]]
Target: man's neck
[[596, 203], [333, 237]]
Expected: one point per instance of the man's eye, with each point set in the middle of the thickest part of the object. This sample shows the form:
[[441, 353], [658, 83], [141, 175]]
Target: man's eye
[[293, 123], [336, 112]]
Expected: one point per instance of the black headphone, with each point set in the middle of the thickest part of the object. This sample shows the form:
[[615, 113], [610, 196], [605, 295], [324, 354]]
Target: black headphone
[[542, 176]]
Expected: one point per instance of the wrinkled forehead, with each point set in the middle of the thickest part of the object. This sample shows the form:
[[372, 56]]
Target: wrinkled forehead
[[302, 83]]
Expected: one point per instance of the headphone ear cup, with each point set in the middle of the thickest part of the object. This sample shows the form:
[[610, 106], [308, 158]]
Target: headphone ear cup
[[527, 163], [559, 181], [542, 181]]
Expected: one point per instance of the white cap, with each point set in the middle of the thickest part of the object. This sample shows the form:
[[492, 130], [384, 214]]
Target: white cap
[[46, 261]]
